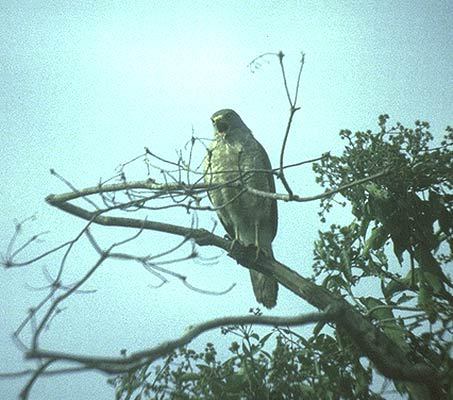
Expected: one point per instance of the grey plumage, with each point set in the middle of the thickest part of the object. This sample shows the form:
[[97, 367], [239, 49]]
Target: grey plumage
[[250, 219]]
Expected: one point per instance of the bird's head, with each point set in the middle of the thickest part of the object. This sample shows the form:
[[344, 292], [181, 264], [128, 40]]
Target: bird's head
[[224, 121]]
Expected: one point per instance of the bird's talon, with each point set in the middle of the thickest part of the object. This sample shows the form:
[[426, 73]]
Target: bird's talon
[[233, 243], [257, 253]]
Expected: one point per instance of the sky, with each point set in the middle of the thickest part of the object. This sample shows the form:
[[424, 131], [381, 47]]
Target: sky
[[86, 85]]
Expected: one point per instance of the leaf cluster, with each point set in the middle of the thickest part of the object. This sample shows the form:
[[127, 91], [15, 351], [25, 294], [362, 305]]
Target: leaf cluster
[[409, 209]]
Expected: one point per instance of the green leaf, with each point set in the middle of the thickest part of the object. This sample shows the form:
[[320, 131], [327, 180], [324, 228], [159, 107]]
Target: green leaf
[[391, 328], [409, 282], [346, 261], [246, 350], [404, 298], [365, 221], [235, 383], [265, 338], [376, 240], [446, 221], [426, 302], [434, 281], [255, 336], [318, 327]]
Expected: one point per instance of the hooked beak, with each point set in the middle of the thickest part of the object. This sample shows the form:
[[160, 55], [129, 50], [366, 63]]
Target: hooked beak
[[220, 125]]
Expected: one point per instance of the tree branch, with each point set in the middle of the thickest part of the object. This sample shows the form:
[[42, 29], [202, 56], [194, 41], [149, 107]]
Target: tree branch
[[292, 111], [327, 193], [389, 359], [385, 354], [116, 365], [59, 199]]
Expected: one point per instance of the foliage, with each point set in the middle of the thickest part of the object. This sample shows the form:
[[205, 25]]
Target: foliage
[[410, 209]]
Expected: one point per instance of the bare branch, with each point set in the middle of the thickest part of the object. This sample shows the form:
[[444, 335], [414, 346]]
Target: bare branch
[[326, 194], [57, 200], [255, 63], [281, 174], [53, 372], [62, 297], [302, 62], [292, 111], [122, 364], [390, 307], [26, 390]]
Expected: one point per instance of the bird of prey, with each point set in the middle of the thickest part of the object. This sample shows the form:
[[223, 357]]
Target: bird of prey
[[234, 158]]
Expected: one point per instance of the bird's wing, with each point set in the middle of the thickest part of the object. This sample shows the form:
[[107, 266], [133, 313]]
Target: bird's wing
[[266, 164]]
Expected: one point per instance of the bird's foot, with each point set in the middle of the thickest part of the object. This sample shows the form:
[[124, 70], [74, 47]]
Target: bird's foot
[[257, 253], [233, 244]]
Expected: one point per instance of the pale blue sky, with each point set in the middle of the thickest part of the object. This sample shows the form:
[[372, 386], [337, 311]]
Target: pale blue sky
[[85, 85]]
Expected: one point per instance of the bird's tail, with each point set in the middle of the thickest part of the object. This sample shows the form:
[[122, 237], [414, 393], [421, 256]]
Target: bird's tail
[[265, 289]]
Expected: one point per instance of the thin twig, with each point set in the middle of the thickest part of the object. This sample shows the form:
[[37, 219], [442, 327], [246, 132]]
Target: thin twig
[[26, 390], [292, 111]]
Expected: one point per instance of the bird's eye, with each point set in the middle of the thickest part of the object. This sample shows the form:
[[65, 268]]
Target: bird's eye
[[229, 116]]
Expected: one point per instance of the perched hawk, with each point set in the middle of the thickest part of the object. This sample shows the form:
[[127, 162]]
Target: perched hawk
[[250, 219]]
